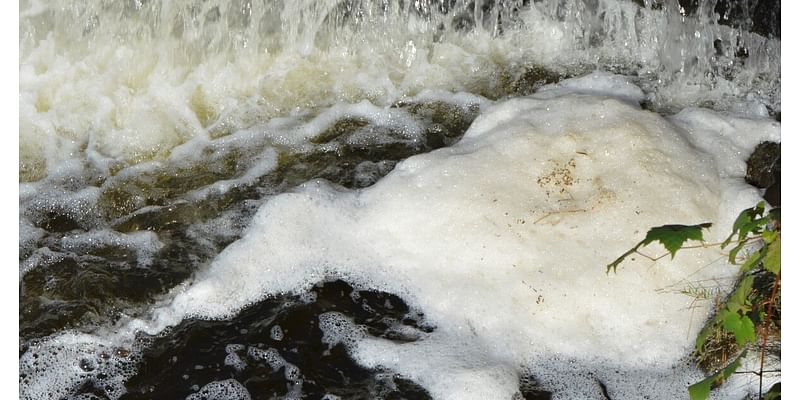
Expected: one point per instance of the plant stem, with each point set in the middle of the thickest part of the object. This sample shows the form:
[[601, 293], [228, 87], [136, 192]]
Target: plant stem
[[765, 332]]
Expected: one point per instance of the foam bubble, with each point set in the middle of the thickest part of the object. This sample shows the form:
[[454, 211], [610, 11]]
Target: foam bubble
[[271, 356], [276, 333], [53, 367], [275, 361], [338, 329], [232, 358], [229, 389]]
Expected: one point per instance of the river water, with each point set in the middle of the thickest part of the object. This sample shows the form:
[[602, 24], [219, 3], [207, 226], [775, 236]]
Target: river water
[[387, 199]]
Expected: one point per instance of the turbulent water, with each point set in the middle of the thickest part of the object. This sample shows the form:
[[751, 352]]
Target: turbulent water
[[379, 199]]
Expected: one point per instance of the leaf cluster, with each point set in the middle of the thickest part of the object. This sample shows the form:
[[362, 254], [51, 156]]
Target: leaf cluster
[[754, 223], [756, 234], [752, 226]]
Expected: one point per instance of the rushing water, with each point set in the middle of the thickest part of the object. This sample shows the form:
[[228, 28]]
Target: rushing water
[[377, 199]]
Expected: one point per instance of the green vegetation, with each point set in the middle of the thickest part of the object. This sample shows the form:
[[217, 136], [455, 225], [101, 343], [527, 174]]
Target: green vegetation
[[749, 311]]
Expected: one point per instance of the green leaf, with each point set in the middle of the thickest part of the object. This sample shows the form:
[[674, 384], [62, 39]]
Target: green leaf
[[734, 252], [737, 304], [705, 333], [772, 261], [734, 315], [769, 236], [753, 261], [748, 221], [738, 300], [672, 237], [746, 333], [774, 392], [741, 326], [701, 390], [732, 321]]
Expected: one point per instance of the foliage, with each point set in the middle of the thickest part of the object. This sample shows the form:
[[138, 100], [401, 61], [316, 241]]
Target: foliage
[[702, 389], [672, 237], [756, 234], [774, 392]]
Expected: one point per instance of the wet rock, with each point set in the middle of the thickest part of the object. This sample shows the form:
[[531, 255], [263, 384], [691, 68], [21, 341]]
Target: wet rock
[[773, 193], [764, 170], [445, 123], [531, 78], [343, 127], [764, 165]]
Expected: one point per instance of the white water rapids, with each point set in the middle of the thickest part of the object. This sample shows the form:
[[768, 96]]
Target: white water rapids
[[501, 239]]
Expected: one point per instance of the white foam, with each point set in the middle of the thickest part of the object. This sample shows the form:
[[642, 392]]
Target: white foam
[[229, 389], [262, 165], [338, 329], [40, 257], [29, 235], [726, 137], [276, 333], [144, 79], [144, 244], [54, 366], [502, 242], [232, 358], [275, 361], [597, 83]]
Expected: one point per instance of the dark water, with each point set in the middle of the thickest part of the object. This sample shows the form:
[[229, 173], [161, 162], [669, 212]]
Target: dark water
[[194, 353], [66, 289]]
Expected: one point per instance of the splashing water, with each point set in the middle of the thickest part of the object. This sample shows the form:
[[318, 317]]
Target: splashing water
[[199, 180]]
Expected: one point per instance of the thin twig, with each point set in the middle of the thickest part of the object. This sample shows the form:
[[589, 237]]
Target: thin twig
[[765, 332], [551, 213], [769, 371]]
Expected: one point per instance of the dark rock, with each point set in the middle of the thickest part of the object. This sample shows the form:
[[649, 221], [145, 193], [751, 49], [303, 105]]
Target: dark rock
[[773, 193], [764, 170], [764, 165]]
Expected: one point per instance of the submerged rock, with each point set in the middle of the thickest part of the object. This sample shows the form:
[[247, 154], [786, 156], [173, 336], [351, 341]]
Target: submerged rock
[[531, 78]]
